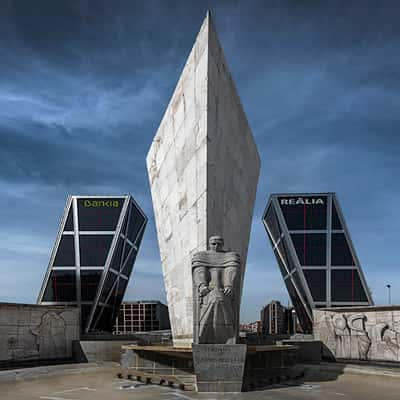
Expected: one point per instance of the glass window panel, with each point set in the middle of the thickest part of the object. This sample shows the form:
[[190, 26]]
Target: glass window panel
[[336, 225], [273, 224], [122, 284], [310, 248], [116, 260], [61, 286], [340, 253], [135, 223], [316, 280], [89, 284], [108, 284], [94, 249], [65, 256], [85, 314], [97, 312], [99, 214], [129, 263], [302, 315], [69, 226], [124, 225], [304, 213], [346, 286], [105, 322], [299, 285]]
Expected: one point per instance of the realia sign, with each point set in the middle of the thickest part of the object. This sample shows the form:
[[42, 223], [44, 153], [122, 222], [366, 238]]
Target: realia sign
[[302, 200]]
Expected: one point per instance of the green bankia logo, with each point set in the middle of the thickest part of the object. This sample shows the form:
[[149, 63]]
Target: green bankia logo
[[101, 203]]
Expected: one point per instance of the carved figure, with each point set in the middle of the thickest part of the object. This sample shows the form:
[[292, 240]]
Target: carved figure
[[50, 336], [342, 334], [215, 273], [359, 335]]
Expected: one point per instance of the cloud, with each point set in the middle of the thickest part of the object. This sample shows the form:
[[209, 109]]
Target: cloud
[[79, 108]]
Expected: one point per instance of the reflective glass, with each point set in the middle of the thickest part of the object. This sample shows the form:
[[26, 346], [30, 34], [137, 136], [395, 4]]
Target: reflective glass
[[89, 284], [94, 249], [302, 315], [310, 248], [316, 281], [61, 286], [69, 226], [340, 253], [105, 322], [336, 225], [116, 260], [99, 214], [304, 213], [300, 288], [122, 284], [346, 286], [107, 286], [85, 314], [129, 262], [273, 224], [136, 222], [65, 256]]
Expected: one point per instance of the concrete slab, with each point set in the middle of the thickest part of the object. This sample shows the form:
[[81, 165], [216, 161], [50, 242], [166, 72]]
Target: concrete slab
[[103, 385]]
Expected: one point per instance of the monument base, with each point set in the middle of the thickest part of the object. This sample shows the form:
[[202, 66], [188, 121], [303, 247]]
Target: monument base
[[219, 367], [210, 368]]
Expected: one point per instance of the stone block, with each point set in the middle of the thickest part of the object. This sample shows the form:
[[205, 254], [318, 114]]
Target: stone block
[[369, 333], [36, 332], [203, 169], [219, 368]]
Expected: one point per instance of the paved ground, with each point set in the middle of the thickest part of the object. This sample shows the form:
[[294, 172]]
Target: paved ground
[[103, 385]]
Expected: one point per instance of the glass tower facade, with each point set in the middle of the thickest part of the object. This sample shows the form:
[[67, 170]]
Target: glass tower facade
[[93, 257], [314, 252]]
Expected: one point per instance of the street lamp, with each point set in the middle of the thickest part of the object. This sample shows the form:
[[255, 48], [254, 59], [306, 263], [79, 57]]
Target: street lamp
[[389, 296]]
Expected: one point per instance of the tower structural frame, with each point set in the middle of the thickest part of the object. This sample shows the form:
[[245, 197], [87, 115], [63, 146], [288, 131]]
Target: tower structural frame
[[315, 253], [93, 257]]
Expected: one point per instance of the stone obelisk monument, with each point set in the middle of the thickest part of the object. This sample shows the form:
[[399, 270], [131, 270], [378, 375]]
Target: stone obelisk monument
[[203, 167]]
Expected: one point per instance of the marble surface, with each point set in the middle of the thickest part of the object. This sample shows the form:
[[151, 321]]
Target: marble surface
[[203, 169], [32, 332], [362, 334], [215, 294]]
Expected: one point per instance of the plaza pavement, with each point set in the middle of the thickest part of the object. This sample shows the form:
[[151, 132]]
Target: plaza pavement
[[101, 383]]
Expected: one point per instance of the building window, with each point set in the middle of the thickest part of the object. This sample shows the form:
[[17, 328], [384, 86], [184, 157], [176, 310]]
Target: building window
[[310, 248], [96, 214], [65, 256], [304, 213], [94, 249], [316, 280], [346, 286], [61, 287], [89, 284], [340, 254]]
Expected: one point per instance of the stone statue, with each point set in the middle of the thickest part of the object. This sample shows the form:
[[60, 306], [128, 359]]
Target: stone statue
[[215, 274]]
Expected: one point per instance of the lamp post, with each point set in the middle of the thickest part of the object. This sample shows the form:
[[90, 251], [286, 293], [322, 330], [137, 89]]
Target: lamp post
[[389, 296]]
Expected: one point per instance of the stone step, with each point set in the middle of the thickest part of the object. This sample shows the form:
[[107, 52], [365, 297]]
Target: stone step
[[183, 382]]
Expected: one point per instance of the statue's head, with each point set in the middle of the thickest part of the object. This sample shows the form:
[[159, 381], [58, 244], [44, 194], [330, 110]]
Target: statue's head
[[216, 243]]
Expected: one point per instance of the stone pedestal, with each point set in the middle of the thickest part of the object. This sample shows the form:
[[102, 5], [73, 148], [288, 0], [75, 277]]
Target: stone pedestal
[[219, 367]]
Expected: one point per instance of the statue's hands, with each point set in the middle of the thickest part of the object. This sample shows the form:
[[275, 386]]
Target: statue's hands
[[203, 290], [228, 291]]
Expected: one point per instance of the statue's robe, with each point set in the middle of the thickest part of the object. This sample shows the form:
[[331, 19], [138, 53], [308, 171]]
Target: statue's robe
[[216, 310]]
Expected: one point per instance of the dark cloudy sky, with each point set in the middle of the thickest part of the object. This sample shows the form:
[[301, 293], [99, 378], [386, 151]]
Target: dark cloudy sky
[[84, 84]]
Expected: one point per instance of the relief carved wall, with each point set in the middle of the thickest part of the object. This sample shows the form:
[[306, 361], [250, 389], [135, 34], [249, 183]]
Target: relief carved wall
[[369, 335], [31, 332]]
